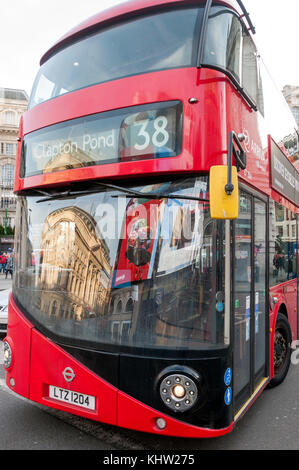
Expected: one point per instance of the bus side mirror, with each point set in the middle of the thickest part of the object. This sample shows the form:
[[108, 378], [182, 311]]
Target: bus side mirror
[[223, 205], [224, 186]]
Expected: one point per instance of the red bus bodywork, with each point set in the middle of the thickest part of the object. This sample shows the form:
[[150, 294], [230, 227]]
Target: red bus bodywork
[[39, 362]]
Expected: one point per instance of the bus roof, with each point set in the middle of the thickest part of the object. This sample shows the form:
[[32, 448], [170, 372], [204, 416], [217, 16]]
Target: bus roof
[[122, 11]]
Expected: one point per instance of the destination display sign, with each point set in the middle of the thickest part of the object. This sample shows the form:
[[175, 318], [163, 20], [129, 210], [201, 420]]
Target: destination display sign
[[285, 177], [135, 133]]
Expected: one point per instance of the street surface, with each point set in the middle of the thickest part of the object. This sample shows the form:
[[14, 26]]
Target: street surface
[[5, 283], [270, 424]]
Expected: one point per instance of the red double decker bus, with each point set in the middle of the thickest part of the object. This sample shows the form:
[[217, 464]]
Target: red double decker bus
[[155, 283]]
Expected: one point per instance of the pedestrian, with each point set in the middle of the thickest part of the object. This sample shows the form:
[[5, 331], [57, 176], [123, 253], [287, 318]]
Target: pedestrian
[[9, 266], [4, 259]]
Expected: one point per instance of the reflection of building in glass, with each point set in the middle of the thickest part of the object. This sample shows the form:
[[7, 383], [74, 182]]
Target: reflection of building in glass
[[70, 157], [78, 285], [74, 270], [283, 245], [175, 306], [121, 311], [285, 223]]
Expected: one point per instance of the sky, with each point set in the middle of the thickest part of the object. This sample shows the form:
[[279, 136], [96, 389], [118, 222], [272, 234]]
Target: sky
[[30, 27]]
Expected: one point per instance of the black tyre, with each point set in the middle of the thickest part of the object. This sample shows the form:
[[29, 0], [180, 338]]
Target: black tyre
[[282, 350]]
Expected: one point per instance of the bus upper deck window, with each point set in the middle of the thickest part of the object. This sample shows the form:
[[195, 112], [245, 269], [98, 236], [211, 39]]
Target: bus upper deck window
[[251, 73], [249, 68], [230, 48], [223, 41], [147, 43]]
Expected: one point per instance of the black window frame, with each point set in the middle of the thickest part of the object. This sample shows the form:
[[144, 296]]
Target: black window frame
[[256, 106]]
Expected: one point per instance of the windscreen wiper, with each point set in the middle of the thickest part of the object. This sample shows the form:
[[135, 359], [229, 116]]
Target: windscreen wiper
[[66, 195], [126, 191], [139, 194]]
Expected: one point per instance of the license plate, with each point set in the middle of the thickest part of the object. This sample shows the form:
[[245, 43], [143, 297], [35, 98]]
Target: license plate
[[73, 398]]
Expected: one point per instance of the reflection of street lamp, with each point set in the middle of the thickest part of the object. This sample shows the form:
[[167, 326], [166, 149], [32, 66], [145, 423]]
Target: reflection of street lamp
[[278, 242], [5, 223]]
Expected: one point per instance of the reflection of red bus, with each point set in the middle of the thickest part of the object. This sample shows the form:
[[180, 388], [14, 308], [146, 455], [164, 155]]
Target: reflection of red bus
[[197, 297], [138, 241]]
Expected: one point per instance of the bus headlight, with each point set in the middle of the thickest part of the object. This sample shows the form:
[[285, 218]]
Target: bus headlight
[[179, 392], [7, 352]]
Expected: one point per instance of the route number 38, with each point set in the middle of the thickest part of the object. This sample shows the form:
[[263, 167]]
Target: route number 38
[[158, 138]]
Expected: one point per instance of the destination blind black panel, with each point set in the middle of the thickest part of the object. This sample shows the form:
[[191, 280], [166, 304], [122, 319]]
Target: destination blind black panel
[[134, 133]]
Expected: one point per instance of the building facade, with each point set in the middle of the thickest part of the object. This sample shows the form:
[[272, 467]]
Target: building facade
[[13, 103], [291, 94]]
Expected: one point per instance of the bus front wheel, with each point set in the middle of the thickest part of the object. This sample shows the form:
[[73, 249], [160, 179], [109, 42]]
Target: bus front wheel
[[282, 350]]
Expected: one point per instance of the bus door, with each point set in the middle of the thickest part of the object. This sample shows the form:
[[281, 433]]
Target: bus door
[[250, 304]]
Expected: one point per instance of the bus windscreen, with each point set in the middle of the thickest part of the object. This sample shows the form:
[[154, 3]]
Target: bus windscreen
[[148, 275]]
